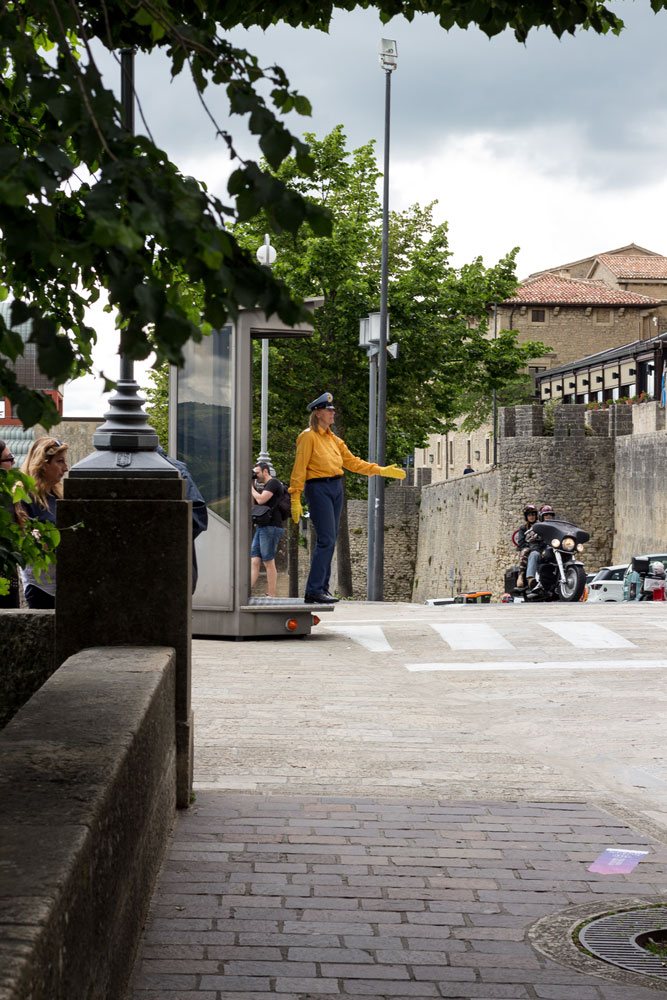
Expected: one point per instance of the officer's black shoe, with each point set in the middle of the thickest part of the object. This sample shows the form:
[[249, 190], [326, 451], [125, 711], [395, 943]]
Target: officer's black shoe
[[319, 599], [331, 596]]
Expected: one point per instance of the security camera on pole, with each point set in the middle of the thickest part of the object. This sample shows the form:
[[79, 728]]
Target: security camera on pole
[[388, 62]]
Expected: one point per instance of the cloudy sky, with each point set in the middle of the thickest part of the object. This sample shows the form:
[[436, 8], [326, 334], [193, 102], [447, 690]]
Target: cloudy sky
[[558, 147]]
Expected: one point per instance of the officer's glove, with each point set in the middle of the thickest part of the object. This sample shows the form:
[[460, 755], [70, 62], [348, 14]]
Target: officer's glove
[[297, 509], [392, 472]]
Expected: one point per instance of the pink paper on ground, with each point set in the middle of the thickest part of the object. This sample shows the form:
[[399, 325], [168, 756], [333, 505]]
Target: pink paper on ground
[[616, 861]]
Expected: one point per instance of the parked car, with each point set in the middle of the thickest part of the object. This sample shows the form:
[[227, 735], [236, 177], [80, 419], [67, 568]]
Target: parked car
[[607, 584], [632, 580]]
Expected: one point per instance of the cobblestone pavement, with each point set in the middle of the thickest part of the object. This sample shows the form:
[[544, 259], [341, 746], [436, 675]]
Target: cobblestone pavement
[[392, 822]]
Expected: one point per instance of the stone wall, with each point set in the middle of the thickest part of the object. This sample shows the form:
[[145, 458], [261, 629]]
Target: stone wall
[[574, 332], [77, 432], [28, 657], [574, 475], [641, 498], [87, 785], [466, 525], [401, 527], [460, 537]]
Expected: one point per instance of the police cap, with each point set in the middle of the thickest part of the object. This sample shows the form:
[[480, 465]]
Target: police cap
[[323, 402]]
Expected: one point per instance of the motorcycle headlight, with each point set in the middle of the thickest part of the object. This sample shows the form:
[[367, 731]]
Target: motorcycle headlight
[[580, 547], [555, 542], [569, 544]]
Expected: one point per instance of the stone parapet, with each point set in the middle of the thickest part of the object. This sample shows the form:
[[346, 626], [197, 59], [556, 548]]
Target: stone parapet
[[529, 420], [507, 422], [87, 784], [648, 418], [569, 421], [620, 420], [28, 657]]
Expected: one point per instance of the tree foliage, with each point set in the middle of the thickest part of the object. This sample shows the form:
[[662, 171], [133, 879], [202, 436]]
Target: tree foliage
[[447, 363], [34, 543], [85, 206]]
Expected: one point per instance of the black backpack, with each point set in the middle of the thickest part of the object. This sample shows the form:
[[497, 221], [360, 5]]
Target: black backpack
[[284, 504]]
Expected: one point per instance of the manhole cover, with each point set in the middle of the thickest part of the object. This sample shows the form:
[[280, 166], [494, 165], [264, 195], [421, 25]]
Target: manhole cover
[[614, 939]]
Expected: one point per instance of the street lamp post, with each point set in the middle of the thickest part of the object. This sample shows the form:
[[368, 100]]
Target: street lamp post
[[125, 444], [265, 255], [368, 339], [388, 62]]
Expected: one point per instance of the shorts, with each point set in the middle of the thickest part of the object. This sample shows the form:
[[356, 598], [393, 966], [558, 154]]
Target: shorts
[[265, 543]]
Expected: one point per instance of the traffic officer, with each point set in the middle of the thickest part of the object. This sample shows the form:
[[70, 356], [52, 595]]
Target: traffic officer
[[320, 459]]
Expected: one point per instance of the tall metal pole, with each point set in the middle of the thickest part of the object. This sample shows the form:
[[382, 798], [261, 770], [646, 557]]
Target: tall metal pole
[[495, 396], [266, 255], [372, 480], [378, 568]]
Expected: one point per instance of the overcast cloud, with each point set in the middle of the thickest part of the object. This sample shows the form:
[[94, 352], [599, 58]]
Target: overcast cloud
[[558, 147]]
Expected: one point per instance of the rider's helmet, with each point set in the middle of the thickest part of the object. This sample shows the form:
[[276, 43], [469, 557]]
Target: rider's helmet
[[530, 508], [506, 599], [546, 510]]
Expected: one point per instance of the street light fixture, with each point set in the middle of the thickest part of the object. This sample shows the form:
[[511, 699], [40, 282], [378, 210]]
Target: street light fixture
[[388, 62], [266, 255], [125, 444]]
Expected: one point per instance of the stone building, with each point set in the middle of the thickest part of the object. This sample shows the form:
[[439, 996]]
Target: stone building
[[576, 317], [580, 309]]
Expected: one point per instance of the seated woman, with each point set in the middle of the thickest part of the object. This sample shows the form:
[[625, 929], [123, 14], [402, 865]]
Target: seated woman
[[47, 465]]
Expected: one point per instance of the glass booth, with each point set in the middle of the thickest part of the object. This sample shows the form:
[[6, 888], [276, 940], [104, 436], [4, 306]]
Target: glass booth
[[210, 429]]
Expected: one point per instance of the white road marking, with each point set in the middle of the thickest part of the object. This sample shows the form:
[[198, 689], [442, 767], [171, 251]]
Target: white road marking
[[587, 635], [538, 665], [371, 637], [472, 636]]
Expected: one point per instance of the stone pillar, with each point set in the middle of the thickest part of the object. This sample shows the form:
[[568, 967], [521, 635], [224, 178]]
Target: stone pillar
[[124, 579], [529, 420], [569, 420]]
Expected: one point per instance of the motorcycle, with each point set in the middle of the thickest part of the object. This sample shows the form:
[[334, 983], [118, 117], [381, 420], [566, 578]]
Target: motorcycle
[[560, 574]]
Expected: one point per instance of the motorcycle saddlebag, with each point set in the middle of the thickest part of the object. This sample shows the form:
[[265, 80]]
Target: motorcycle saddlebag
[[511, 576]]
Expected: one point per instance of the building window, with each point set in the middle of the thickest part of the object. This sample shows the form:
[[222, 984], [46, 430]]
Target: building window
[[469, 451], [451, 452], [488, 451], [439, 453], [603, 316], [538, 315]]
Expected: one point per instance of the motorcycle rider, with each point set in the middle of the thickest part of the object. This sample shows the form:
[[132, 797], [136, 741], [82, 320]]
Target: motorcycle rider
[[546, 513], [530, 518]]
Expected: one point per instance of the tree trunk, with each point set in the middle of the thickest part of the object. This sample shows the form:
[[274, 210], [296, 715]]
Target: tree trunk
[[344, 561]]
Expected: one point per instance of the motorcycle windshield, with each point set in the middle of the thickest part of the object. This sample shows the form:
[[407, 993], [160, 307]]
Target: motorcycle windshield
[[547, 530]]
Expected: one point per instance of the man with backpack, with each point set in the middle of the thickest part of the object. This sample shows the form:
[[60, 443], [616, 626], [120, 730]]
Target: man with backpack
[[267, 492]]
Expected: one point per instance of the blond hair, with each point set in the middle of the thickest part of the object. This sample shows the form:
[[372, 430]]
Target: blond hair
[[40, 453]]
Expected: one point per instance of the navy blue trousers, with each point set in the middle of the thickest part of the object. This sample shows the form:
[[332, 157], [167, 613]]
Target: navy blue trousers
[[325, 503]]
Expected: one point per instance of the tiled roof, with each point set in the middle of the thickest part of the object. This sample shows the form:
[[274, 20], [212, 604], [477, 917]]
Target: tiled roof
[[553, 289], [633, 266], [629, 248]]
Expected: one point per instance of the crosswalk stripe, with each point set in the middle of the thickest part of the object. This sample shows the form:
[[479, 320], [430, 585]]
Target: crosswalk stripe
[[536, 665], [472, 636], [371, 637], [587, 635]]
